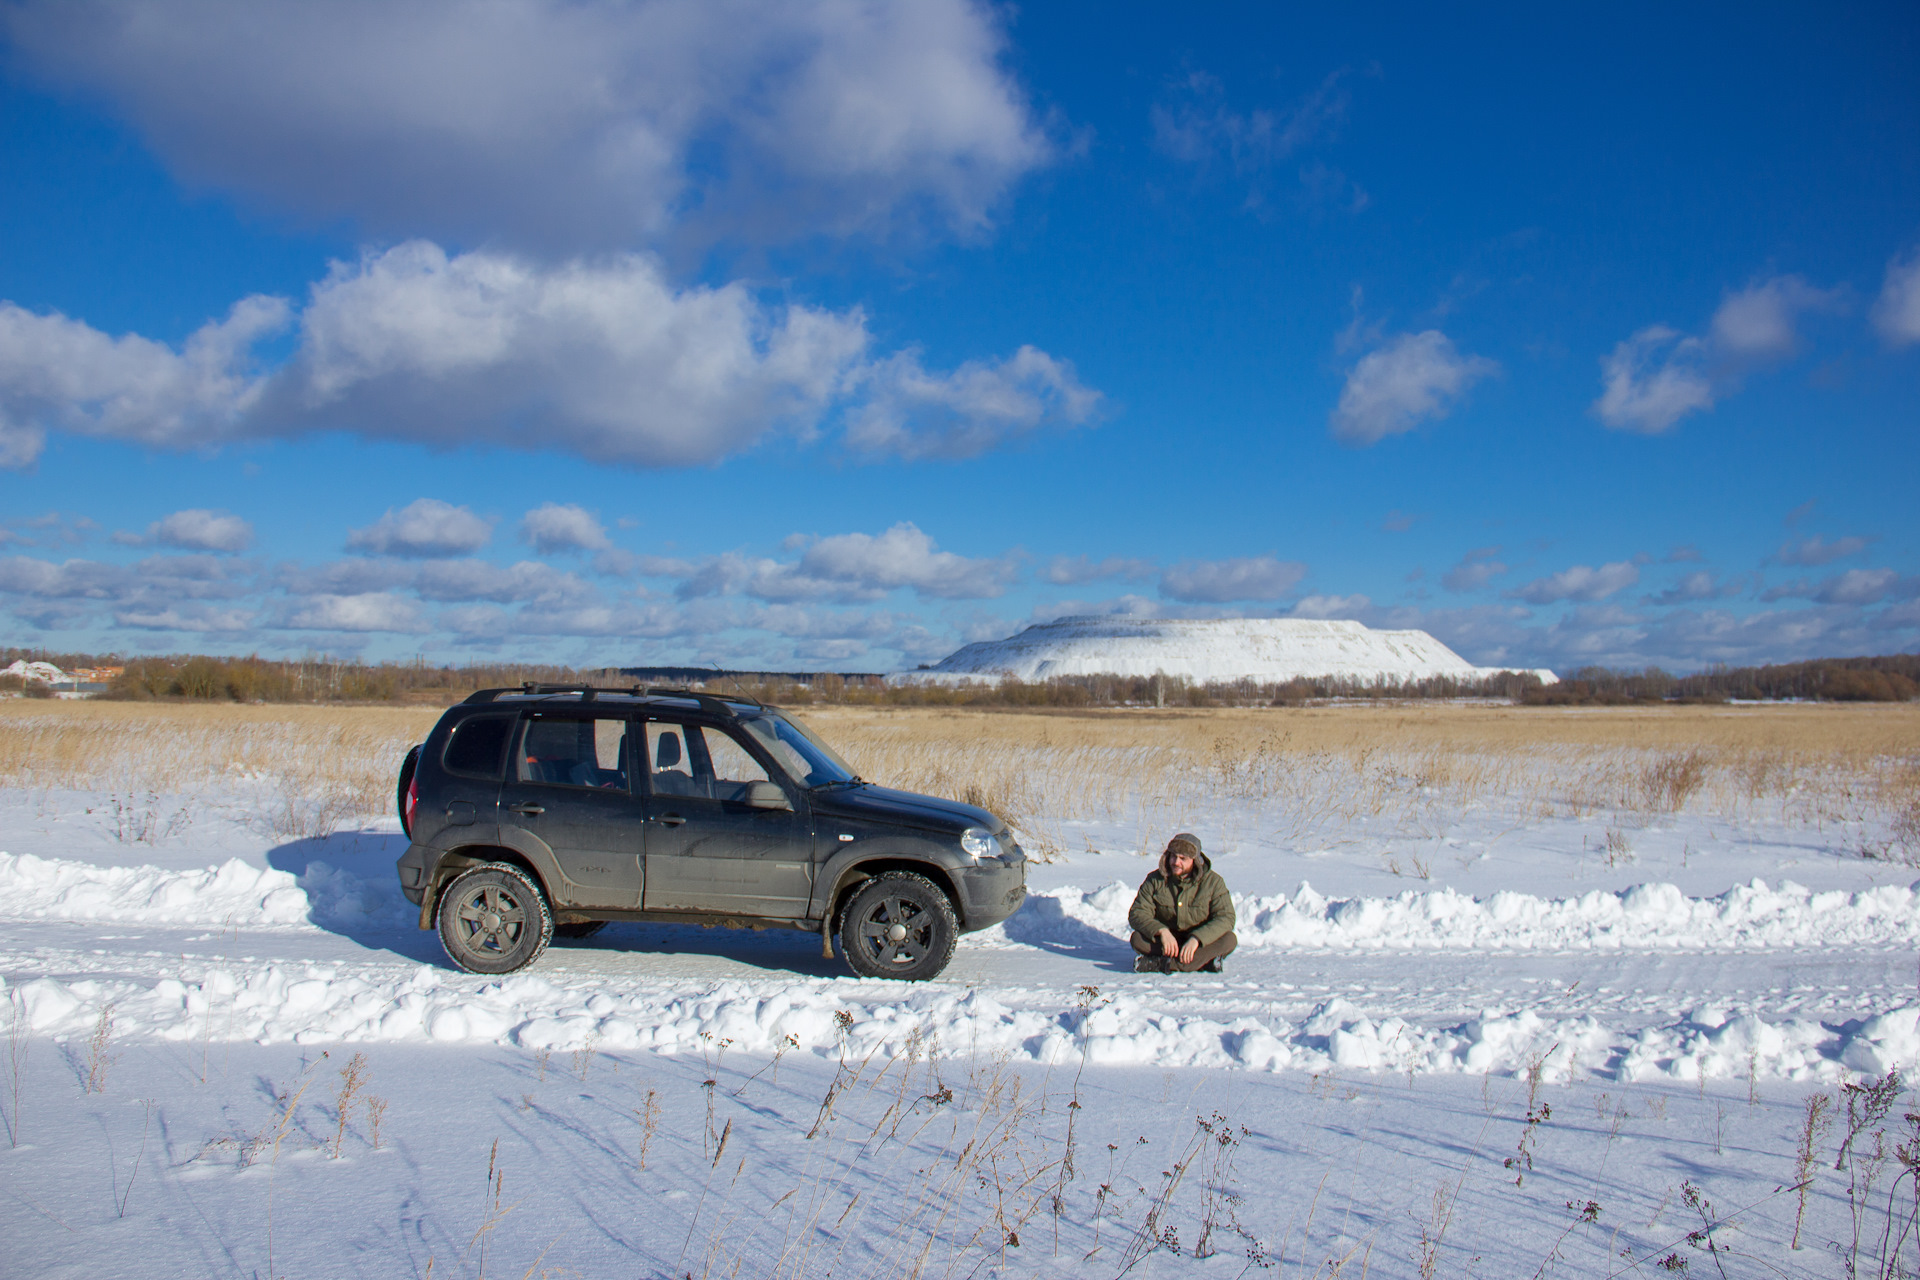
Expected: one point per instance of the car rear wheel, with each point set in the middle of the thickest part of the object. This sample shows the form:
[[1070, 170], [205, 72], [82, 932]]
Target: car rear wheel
[[494, 919], [899, 925]]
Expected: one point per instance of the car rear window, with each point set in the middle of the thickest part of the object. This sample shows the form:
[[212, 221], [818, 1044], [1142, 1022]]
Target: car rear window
[[478, 746]]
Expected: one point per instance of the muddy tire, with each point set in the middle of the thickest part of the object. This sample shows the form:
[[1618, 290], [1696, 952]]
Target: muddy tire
[[494, 919], [898, 925]]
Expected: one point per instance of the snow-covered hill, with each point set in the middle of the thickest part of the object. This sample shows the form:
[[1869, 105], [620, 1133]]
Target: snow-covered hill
[[1203, 650]]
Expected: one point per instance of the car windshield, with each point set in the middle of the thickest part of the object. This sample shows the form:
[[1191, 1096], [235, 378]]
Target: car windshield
[[804, 756]]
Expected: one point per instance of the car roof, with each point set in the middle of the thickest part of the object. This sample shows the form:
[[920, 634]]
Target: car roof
[[725, 707]]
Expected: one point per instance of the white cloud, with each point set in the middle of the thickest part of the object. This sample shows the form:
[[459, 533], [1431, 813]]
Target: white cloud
[[425, 527], [1758, 322], [1477, 568], [62, 373], [1414, 377], [1195, 126], [903, 556], [196, 618], [911, 413], [1896, 313], [1353, 606], [1648, 391], [1816, 550], [1660, 375], [1581, 582], [1853, 587], [565, 126], [1219, 581], [202, 530], [1064, 571], [603, 359], [1696, 586], [375, 611], [552, 527], [463, 580], [853, 567]]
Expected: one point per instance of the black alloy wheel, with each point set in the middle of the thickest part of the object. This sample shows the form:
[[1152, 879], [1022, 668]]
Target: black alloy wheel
[[899, 925], [494, 919]]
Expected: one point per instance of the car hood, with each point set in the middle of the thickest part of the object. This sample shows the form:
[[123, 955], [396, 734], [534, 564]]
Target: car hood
[[904, 808]]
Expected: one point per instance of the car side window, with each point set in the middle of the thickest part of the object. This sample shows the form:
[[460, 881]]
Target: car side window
[[477, 745], [669, 763], [574, 751], [733, 767]]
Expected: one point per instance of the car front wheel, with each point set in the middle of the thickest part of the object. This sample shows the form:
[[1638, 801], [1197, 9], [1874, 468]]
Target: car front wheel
[[494, 919], [899, 926]]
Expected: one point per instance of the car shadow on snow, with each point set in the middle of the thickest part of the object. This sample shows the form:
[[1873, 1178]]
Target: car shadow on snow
[[776, 952], [353, 891], [1041, 923]]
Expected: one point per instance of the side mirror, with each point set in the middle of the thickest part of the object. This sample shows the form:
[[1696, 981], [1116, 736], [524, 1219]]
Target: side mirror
[[767, 795]]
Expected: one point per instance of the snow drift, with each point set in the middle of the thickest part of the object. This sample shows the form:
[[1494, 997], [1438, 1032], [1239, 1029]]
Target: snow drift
[[1204, 650]]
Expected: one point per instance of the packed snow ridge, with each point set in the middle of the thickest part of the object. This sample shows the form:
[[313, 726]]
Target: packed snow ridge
[[1269, 650]]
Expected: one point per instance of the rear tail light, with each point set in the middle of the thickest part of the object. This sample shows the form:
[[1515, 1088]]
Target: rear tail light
[[413, 802]]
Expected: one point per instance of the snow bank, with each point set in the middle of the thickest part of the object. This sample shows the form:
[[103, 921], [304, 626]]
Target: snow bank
[[1752, 915], [233, 895], [317, 1004]]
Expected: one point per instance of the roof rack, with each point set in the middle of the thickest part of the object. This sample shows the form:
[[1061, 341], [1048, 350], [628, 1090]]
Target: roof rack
[[712, 704]]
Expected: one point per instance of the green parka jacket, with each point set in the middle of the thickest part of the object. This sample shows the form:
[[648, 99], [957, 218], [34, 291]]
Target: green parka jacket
[[1197, 907]]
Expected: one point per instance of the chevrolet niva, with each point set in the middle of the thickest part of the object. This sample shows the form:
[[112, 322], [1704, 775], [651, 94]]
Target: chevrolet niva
[[550, 809]]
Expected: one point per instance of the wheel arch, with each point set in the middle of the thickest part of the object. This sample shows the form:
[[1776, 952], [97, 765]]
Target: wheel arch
[[464, 858], [851, 878]]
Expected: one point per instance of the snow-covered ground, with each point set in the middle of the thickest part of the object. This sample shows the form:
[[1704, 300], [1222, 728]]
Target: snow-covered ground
[[1445, 1033]]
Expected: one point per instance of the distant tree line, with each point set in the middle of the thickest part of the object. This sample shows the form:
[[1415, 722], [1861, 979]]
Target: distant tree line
[[198, 677], [1891, 678]]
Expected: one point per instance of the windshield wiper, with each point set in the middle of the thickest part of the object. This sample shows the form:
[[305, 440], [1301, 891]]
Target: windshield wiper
[[855, 781]]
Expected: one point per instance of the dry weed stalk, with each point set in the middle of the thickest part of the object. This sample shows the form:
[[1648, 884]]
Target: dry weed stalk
[[648, 1114], [19, 1045], [123, 1196], [98, 1058], [352, 1079], [1812, 1129]]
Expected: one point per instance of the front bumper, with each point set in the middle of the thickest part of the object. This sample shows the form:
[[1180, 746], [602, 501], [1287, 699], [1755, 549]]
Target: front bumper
[[993, 891]]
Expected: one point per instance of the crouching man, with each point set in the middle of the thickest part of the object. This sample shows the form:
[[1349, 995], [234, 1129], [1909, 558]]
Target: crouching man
[[1182, 917]]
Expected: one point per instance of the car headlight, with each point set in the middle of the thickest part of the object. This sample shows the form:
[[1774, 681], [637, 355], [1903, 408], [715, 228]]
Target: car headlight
[[978, 843]]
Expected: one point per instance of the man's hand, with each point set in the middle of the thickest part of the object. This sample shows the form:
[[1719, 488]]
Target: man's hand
[[1189, 951], [1169, 945]]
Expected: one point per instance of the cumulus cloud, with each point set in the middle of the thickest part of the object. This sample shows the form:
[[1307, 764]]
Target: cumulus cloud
[[527, 581], [851, 567], [1414, 377], [1853, 587], [552, 527], [1065, 571], [1816, 550], [202, 530], [1353, 606], [374, 611], [63, 373], [601, 358], [1477, 568], [911, 413], [1660, 375], [1652, 380], [1759, 321], [424, 528], [199, 619], [1580, 582], [1696, 586], [1242, 578], [565, 126], [1896, 313]]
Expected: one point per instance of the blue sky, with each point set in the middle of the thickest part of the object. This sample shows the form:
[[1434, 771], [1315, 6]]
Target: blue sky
[[836, 335]]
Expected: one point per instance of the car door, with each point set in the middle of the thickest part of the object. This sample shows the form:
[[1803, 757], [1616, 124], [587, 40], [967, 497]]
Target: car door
[[707, 849], [568, 785]]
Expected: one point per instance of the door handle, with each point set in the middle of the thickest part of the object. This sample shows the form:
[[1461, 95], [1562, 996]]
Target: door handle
[[528, 808], [671, 820]]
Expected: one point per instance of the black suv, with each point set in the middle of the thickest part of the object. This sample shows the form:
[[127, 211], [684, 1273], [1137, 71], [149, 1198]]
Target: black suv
[[556, 808]]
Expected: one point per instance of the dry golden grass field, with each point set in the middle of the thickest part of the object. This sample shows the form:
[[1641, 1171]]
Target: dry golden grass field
[[1311, 766]]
